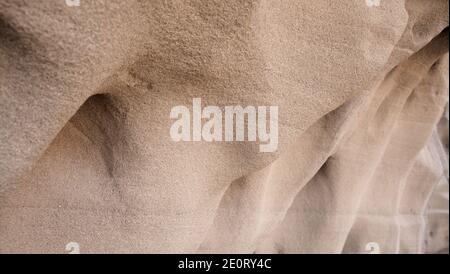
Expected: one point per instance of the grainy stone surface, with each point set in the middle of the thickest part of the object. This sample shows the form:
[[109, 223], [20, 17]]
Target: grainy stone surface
[[86, 155]]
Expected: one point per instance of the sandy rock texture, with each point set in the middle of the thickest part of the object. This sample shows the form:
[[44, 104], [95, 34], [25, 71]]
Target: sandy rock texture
[[86, 155]]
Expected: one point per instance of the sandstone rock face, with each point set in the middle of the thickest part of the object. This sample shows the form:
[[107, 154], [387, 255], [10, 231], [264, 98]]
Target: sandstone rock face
[[86, 155]]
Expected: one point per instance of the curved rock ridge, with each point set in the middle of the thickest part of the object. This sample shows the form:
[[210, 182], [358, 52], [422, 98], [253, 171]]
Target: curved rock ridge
[[87, 159]]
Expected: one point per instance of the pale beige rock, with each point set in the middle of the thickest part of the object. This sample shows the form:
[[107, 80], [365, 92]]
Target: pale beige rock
[[86, 155]]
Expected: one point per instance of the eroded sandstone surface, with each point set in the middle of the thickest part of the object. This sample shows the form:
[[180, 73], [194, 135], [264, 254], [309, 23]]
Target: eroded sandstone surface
[[86, 156]]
